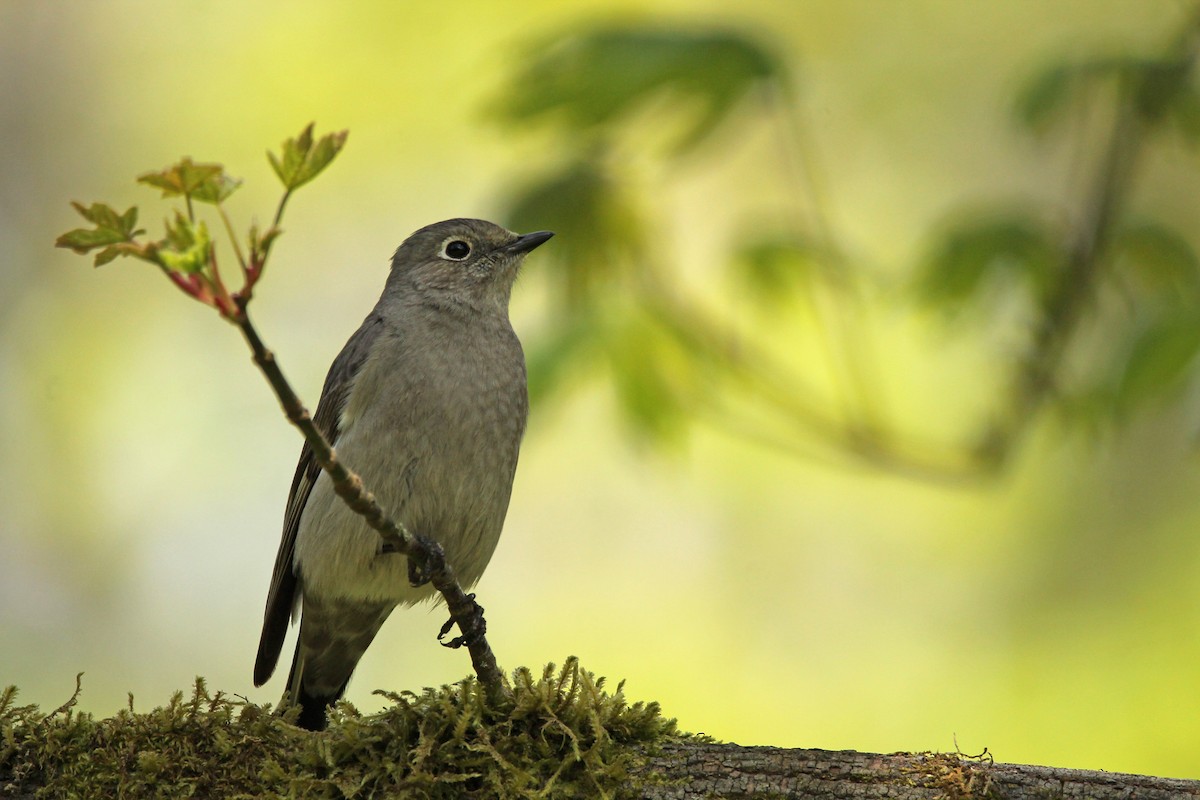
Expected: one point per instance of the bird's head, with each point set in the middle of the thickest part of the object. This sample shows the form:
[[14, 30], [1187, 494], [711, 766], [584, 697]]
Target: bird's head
[[462, 262]]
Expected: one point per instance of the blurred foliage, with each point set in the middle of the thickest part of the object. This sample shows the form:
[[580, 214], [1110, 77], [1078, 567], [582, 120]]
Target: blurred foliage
[[591, 83], [618, 303], [773, 268], [562, 734], [986, 248]]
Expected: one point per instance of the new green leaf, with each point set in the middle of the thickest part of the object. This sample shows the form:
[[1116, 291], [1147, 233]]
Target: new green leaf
[[303, 158], [206, 183], [114, 232], [187, 247]]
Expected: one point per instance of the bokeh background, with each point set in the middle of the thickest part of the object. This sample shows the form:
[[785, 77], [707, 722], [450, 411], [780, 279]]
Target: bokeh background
[[788, 572]]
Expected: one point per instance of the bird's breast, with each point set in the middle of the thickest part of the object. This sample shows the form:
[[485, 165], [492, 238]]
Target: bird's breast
[[433, 425]]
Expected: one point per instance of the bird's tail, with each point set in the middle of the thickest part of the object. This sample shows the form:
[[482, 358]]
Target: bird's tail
[[332, 639], [314, 707]]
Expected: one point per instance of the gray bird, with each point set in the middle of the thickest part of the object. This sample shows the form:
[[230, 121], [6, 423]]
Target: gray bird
[[427, 402]]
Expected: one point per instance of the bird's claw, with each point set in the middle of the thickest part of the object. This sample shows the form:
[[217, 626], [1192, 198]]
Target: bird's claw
[[475, 627], [419, 562]]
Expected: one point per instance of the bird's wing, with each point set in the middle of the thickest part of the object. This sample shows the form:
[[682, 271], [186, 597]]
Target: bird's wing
[[281, 599]]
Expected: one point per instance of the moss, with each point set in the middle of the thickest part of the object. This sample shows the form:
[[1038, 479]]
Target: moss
[[957, 776], [560, 735]]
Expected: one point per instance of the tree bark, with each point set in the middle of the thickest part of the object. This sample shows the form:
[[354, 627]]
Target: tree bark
[[704, 770]]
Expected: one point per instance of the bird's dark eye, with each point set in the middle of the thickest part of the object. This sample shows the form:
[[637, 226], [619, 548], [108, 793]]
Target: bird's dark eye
[[457, 250]]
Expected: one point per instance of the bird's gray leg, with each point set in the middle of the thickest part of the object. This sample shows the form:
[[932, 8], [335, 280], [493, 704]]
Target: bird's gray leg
[[424, 559]]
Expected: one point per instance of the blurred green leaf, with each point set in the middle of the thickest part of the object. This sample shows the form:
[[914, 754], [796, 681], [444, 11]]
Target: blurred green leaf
[[595, 79], [600, 231], [1158, 85], [206, 183], [652, 375], [114, 232], [700, 345], [1185, 113], [1046, 95], [1160, 257], [303, 159], [1161, 355], [983, 247], [553, 354], [187, 248], [774, 269]]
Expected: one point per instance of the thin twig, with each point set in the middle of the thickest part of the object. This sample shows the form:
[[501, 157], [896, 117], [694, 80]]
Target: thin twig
[[233, 240], [279, 211]]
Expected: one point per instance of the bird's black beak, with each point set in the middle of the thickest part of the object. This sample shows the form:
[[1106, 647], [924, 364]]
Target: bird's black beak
[[523, 244]]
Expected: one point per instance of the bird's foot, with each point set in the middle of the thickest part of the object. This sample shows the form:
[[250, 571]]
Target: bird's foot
[[422, 562], [472, 629]]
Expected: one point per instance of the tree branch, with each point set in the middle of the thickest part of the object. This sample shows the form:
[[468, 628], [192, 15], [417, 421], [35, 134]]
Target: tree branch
[[703, 769]]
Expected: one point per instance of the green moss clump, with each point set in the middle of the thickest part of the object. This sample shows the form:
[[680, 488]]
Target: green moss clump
[[559, 735]]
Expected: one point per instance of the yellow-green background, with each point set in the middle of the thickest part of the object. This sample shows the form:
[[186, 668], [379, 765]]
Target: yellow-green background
[[1053, 617]]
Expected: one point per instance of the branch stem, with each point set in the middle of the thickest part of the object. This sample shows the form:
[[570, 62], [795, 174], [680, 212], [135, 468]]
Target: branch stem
[[233, 240], [279, 211]]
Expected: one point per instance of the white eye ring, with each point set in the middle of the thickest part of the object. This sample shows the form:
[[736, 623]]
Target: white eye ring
[[456, 249]]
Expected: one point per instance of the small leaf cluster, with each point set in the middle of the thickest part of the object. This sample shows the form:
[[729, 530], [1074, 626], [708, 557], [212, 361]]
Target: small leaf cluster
[[186, 253], [560, 735], [304, 158]]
